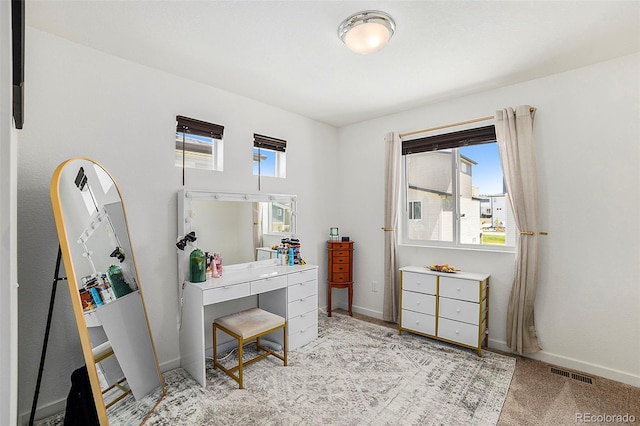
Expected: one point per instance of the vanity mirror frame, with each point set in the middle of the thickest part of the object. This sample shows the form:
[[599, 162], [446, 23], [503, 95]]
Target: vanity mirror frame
[[186, 212], [73, 281]]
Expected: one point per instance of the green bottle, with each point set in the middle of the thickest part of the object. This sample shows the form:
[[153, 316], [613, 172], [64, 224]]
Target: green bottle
[[118, 284], [197, 266]]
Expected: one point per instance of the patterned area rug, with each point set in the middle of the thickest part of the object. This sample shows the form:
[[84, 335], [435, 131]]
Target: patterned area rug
[[355, 373]]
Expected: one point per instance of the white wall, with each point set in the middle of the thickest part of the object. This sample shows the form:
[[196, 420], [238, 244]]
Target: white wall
[[586, 132], [81, 102], [8, 219]]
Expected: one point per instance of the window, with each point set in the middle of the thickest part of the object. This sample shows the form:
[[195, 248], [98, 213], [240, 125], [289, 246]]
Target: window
[[269, 157], [198, 144], [455, 182], [415, 210], [276, 218]]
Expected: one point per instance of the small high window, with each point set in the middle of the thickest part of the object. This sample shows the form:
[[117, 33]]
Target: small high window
[[198, 144], [269, 158]]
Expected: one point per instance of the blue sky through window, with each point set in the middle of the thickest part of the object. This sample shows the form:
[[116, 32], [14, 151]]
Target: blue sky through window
[[267, 166], [487, 174]]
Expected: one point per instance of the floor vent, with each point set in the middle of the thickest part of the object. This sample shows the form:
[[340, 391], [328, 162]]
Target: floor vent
[[579, 377]]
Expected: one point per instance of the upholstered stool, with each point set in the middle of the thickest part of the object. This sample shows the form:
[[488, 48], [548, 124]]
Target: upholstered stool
[[245, 326]]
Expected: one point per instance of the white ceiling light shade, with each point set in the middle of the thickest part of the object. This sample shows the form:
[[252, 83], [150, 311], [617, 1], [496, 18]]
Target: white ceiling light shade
[[367, 32]]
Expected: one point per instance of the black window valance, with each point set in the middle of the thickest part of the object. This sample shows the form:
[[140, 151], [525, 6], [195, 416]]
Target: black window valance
[[457, 139], [198, 127], [267, 142]]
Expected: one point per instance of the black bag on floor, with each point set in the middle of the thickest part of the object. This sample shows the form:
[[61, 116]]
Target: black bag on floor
[[81, 408]]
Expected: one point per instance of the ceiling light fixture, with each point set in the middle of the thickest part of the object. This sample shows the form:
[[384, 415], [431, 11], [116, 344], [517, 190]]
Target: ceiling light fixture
[[367, 32]]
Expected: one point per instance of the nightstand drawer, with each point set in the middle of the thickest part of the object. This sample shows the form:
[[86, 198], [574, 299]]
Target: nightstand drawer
[[422, 323], [459, 310], [461, 289], [421, 283], [419, 302], [457, 331]]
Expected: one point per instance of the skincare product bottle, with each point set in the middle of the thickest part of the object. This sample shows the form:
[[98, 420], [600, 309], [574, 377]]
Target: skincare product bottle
[[290, 257], [96, 296], [210, 263]]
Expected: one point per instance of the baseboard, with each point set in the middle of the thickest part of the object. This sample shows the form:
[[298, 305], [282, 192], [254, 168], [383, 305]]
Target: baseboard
[[574, 364], [357, 309], [170, 365], [43, 411]]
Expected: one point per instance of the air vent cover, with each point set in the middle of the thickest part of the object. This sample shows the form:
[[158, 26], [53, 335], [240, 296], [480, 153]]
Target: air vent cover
[[570, 375]]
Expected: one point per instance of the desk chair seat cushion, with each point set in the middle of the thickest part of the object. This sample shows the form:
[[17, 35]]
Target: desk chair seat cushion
[[250, 322], [102, 350]]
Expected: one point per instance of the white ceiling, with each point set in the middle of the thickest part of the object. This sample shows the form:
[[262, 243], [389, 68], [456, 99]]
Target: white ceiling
[[288, 54]]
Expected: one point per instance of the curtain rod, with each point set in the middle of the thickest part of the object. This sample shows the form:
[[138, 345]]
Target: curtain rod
[[460, 123]]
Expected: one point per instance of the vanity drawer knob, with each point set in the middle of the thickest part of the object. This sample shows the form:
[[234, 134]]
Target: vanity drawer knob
[[417, 322], [458, 310], [457, 332], [418, 302], [458, 289]]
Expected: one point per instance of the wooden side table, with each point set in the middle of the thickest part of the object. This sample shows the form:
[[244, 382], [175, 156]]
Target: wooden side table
[[340, 269]]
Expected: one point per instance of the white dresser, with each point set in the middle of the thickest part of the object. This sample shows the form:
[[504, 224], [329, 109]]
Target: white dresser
[[449, 307]]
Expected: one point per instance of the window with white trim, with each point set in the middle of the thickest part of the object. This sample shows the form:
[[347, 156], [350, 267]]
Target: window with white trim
[[269, 158], [457, 180]]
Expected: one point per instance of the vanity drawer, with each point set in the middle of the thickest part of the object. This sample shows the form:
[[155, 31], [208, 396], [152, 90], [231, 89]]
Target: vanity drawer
[[457, 331], [301, 290], [421, 283], [302, 276], [419, 302], [300, 306], [221, 294], [302, 322], [268, 284], [303, 336], [459, 310], [456, 288], [422, 323]]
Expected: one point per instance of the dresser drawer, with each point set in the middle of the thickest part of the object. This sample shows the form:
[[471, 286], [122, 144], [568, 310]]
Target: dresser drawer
[[459, 310], [302, 322], [300, 306], [268, 284], [421, 323], [421, 283], [301, 290], [302, 276], [456, 288], [457, 331], [221, 294], [419, 302], [339, 259], [340, 278], [340, 267], [340, 253], [339, 246], [303, 336]]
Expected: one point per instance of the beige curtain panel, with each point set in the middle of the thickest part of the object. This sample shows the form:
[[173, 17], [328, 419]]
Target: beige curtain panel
[[257, 228], [514, 131], [393, 146]]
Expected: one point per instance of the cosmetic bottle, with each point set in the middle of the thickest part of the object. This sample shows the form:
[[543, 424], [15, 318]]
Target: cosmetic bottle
[[118, 283], [218, 259], [290, 257], [197, 267]]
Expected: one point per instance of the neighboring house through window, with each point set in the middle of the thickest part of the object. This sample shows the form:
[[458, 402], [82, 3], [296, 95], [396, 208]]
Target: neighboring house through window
[[454, 191]]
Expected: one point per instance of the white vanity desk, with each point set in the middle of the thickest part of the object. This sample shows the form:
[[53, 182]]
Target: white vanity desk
[[288, 291]]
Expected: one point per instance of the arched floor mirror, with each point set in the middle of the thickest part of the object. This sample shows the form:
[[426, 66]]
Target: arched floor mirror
[[105, 291]]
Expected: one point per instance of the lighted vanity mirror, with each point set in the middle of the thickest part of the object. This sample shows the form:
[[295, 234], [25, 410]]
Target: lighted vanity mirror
[[241, 227], [105, 293]]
